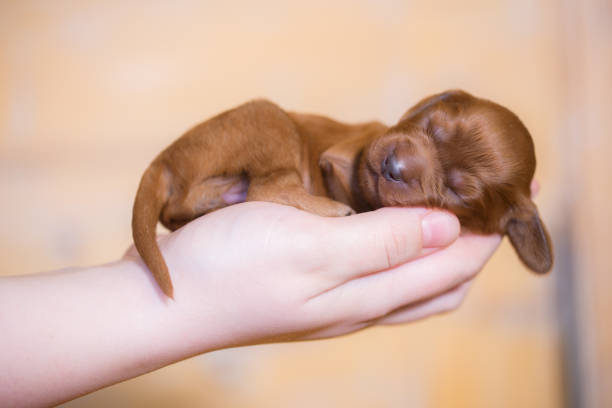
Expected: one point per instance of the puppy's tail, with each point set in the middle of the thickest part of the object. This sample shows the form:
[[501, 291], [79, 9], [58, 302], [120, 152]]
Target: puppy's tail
[[151, 198]]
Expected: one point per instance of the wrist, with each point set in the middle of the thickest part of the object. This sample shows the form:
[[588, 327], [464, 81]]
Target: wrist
[[171, 330], [164, 330]]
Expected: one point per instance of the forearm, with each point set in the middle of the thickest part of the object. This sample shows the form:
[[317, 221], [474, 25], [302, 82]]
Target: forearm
[[70, 332]]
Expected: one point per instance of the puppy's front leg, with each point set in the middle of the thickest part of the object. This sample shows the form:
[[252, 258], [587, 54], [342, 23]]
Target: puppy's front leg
[[286, 187]]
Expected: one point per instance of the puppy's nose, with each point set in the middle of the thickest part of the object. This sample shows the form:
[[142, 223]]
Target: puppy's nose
[[391, 168], [402, 166]]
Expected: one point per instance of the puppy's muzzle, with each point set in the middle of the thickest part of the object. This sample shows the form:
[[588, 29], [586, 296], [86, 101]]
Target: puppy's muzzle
[[403, 166]]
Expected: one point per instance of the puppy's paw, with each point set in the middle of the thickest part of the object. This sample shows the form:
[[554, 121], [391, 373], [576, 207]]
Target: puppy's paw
[[350, 212], [326, 207], [341, 210]]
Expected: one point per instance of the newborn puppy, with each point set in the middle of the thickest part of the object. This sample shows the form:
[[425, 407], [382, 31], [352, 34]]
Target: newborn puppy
[[452, 150]]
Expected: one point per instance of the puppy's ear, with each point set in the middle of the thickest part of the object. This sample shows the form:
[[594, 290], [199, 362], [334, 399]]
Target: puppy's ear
[[529, 237], [339, 165]]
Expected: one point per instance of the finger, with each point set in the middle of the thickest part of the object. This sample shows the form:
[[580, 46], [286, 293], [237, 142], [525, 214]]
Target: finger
[[370, 242], [440, 304], [446, 302], [535, 188], [420, 279]]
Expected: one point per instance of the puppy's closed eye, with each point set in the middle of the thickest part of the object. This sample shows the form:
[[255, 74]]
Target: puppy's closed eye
[[463, 185]]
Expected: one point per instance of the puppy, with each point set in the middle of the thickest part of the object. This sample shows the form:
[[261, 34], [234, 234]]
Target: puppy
[[452, 150]]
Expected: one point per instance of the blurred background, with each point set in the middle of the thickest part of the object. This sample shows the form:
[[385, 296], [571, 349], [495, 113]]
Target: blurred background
[[91, 91]]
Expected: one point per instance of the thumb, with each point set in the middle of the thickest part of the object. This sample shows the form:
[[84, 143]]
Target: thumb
[[378, 240]]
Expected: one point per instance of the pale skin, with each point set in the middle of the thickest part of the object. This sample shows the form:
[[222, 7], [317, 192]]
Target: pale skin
[[250, 273]]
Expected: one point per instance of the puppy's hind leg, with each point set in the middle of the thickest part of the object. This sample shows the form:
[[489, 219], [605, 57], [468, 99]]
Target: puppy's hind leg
[[199, 199], [286, 187]]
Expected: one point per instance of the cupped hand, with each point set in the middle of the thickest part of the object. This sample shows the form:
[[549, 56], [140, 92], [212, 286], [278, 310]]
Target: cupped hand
[[262, 272]]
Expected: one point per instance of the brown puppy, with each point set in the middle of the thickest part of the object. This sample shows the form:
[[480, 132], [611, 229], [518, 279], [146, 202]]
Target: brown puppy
[[452, 150]]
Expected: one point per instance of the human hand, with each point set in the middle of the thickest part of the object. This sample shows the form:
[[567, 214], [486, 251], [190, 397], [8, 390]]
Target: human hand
[[250, 273], [260, 272]]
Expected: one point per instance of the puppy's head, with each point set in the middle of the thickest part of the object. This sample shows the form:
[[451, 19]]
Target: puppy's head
[[467, 155]]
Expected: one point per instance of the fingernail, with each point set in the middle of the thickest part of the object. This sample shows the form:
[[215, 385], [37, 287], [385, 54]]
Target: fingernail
[[439, 229]]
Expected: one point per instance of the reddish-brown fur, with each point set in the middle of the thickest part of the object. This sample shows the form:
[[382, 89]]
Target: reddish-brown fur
[[452, 150]]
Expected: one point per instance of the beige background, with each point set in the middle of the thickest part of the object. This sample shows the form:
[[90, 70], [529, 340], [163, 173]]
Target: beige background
[[91, 91]]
